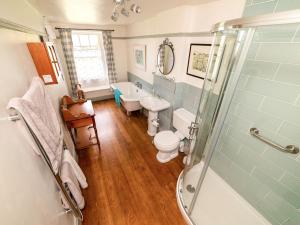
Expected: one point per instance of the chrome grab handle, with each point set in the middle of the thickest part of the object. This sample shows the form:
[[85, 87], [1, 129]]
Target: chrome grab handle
[[288, 149]]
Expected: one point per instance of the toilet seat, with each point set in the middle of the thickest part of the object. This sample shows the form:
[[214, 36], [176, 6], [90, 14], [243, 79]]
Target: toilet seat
[[166, 141]]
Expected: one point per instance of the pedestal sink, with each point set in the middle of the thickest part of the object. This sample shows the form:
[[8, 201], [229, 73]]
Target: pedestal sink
[[153, 105]]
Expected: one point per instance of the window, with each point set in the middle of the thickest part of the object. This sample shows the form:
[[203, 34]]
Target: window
[[89, 57]]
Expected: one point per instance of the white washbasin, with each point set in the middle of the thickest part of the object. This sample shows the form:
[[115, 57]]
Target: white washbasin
[[154, 104]]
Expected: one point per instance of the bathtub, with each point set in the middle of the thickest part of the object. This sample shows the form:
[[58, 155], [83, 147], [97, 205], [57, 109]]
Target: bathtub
[[131, 95]]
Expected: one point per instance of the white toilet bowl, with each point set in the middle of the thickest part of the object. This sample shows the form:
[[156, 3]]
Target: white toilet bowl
[[167, 142]]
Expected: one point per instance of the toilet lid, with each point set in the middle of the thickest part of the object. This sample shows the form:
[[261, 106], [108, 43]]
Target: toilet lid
[[166, 140]]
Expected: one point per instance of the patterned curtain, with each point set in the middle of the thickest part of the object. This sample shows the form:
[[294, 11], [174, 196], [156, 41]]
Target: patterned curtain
[[111, 69], [67, 44]]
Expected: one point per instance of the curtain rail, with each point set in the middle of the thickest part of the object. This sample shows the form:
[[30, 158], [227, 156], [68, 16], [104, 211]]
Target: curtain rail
[[87, 29]]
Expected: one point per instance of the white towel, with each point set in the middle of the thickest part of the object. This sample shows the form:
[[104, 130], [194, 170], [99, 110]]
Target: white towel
[[37, 109], [68, 178], [67, 158], [72, 176]]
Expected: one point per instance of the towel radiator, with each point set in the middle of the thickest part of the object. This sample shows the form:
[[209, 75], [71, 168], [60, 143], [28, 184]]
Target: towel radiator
[[73, 206]]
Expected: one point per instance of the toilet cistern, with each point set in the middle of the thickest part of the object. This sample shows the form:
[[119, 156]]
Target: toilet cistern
[[153, 104]]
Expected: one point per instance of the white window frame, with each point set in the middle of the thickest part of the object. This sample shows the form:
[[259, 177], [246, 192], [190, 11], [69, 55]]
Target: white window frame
[[93, 84]]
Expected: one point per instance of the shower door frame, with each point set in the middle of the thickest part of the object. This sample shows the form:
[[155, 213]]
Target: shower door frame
[[250, 23]]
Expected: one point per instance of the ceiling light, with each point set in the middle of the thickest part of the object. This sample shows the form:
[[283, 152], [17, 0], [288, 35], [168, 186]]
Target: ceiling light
[[115, 16], [124, 12], [135, 8], [121, 4]]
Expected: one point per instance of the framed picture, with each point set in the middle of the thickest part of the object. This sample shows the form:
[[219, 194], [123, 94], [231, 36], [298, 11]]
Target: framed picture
[[198, 60], [139, 54]]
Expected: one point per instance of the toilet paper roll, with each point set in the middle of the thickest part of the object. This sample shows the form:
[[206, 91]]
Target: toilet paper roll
[[181, 146]]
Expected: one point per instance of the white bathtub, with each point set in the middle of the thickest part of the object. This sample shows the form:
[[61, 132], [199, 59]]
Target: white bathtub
[[131, 95]]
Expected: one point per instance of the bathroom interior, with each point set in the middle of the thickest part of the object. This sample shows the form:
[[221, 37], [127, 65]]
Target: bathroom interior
[[150, 112]]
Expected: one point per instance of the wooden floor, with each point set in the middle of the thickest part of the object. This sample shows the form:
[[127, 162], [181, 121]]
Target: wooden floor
[[127, 185]]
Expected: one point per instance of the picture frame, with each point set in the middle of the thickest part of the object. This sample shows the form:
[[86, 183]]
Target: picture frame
[[198, 60], [139, 55]]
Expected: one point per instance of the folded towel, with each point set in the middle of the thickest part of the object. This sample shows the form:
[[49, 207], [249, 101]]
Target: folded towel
[[117, 94], [69, 179], [68, 159], [37, 110]]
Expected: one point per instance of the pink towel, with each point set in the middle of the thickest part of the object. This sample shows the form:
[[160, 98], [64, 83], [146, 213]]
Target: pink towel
[[37, 109]]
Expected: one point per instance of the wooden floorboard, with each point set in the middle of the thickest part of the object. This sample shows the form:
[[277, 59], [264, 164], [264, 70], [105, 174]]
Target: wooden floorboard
[[127, 185]]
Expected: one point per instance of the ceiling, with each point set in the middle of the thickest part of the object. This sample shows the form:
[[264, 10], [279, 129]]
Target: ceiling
[[99, 11]]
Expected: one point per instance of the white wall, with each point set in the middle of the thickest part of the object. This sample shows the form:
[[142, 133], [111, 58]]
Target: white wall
[[181, 50], [21, 12], [188, 18], [184, 19], [28, 193]]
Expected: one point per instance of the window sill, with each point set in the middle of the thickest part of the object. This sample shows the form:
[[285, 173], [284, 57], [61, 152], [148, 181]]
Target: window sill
[[99, 88]]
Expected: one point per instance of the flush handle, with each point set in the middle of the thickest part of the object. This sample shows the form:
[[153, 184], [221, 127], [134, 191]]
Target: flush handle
[[194, 127]]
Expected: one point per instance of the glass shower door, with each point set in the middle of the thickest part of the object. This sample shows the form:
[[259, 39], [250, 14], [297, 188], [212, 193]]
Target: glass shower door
[[220, 56], [241, 177]]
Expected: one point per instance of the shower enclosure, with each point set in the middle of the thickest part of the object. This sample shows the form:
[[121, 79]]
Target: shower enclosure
[[243, 166]]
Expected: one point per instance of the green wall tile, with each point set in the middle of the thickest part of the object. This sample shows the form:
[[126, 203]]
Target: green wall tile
[[290, 131], [292, 182], [289, 74], [280, 52], [279, 189], [282, 110], [297, 36], [253, 50], [282, 160], [248, 2], [259, 9], [285, 92], [247, 98], [261, 1], [258, 118], [284, 5], [275, 207], [260, 69], [275, 33], [246, 185]]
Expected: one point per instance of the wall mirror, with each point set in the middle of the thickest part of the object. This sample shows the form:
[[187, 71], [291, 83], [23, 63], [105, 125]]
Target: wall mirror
[[165, 57]]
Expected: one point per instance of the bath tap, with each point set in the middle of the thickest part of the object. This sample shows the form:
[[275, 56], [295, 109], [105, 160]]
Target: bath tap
[[139, 85]]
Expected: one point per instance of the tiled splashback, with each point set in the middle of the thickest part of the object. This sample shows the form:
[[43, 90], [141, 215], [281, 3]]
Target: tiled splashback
[[133, 78], [179, 94], [268, 97]]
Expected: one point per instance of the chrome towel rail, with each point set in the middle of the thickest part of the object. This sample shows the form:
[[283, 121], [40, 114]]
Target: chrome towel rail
[[73, 206], [288, 149]]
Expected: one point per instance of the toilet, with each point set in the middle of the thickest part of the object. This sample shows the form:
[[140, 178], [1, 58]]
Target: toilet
[[168, 142]]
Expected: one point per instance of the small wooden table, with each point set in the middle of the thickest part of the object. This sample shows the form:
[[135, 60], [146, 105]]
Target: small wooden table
[[78, 115]]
